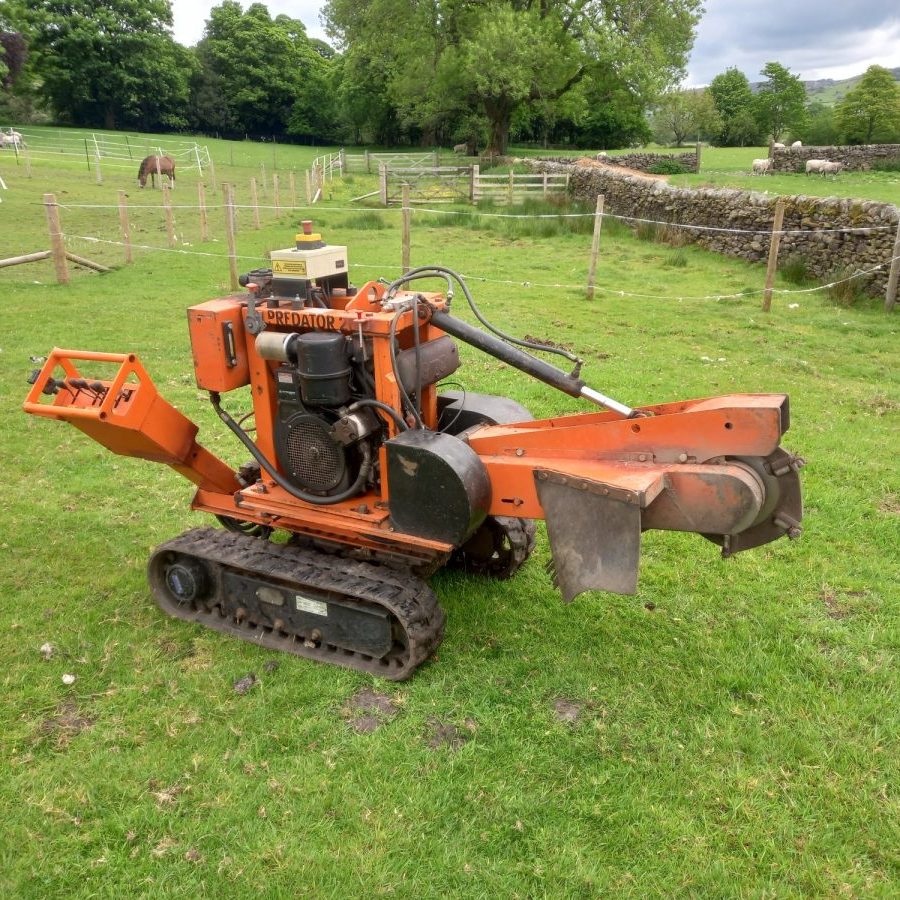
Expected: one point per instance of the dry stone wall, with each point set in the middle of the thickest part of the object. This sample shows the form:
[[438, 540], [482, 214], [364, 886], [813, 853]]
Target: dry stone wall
[[644, 162], [827, 250], [854, 158]]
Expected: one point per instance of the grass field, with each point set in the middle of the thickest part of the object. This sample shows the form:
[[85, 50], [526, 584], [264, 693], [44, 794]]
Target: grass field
[[729, 731]]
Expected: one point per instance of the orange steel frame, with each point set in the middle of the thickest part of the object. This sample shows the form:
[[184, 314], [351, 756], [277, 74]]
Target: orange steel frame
[[667, 451]]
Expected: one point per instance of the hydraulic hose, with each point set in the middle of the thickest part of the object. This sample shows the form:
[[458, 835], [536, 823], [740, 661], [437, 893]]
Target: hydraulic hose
[[525, 362], [392, 343], [501, 349], [444, 272], [383, 407], [279, 479]]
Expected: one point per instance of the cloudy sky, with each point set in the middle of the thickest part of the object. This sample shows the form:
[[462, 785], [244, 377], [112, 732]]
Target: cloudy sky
[[823, 39]]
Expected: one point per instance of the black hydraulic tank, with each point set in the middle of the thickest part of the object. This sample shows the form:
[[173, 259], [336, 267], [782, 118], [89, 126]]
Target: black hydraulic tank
[[438, 486]]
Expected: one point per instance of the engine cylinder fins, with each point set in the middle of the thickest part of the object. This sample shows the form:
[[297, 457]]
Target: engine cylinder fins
[[497, 549], [357, 615]]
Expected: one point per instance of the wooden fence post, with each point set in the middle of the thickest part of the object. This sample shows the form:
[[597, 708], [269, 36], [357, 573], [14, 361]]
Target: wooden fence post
[[212, 175], [382, 174], [405, 218], [511, 186], [292, 182], [57, 242], [254, 202], [321, 181], [436, 158], [204, 220], [342, 160], [170, 219], [158, 172], [308, 188], [228, 196], [773, 254], [124, 226], [262, 183], [276, 194], [473, 185], [595, 246], [368, 161], [890, 295]]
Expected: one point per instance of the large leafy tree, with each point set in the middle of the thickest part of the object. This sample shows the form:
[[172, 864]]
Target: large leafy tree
[[446, 58], [259, 75], [13, 56], [871, 110], [110, 62], [733, 98], [821, 128], [18, 99], [683, 114], [780, 103]]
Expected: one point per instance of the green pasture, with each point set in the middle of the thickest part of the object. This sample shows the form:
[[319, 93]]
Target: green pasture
[[731, 167], [731, 730]]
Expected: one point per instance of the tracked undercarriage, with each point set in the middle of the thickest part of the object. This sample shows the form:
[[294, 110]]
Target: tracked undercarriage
[[360, 615]]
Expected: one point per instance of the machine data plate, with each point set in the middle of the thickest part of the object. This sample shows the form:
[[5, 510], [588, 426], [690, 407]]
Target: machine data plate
[[317, 607]]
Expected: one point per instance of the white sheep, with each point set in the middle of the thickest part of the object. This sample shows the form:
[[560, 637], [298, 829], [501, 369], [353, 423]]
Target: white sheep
[[11, 139], [460, 148], [777, 146], [823, 167], [761, 166], [796, 145]]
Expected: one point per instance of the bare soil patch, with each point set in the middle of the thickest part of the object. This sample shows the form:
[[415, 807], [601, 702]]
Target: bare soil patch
[[567, 711], [67, 723], [626, 170], [368, 710], [444, 734]]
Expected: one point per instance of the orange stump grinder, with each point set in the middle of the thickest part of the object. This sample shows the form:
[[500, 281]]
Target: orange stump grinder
[[380, 479]]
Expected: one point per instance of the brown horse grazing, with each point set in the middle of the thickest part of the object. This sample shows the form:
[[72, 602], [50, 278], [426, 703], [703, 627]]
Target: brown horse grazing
[[164, 165]]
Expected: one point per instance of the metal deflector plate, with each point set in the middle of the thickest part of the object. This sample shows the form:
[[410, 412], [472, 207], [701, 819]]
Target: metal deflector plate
[[595, 534]]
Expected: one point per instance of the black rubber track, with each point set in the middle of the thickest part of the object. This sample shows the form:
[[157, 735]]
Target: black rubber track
[[417, 617], [498, 549]]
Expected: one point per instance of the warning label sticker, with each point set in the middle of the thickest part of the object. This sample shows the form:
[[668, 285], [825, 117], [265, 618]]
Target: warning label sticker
[[289, 266]]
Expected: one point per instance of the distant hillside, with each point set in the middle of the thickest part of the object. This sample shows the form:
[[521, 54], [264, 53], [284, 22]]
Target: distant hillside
[[828, 90]]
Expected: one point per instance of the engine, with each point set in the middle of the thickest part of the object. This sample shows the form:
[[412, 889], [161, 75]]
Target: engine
[[325, 433]]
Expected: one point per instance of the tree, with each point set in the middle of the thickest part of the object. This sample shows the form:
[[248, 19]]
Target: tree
[[503, 57], [780, 103], [13, 56], [259, 75], [17, 78], [603, 112], [683, 114], [821, 128], [734, 102], [109, 62], [871, 110]]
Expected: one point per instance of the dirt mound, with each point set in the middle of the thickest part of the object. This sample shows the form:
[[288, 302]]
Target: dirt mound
[[597, 164]]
